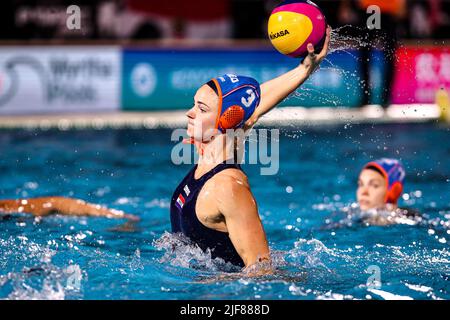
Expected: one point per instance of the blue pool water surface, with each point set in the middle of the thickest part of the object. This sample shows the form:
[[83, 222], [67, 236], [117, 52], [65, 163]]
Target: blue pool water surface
[[319, 251]]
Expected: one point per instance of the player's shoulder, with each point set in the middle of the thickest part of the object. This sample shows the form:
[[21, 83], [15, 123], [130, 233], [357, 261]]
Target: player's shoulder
[[232, 193], [230, 179], [233, 175]]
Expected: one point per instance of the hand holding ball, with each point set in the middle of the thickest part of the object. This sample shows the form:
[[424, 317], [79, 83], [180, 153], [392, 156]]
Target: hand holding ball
[[295, 23]]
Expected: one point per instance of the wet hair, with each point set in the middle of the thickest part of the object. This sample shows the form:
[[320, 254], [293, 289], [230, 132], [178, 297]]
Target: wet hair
[[375, 169], [213, 86]]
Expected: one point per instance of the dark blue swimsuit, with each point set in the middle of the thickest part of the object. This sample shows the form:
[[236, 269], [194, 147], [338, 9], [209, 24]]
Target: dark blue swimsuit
[[184, 219]]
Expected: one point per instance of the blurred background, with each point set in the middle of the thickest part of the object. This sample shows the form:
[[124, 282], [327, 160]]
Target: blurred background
[[144, 55], [201, 19]]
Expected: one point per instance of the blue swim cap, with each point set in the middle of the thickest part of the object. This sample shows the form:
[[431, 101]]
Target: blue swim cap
[[394, 174], [238, 98]]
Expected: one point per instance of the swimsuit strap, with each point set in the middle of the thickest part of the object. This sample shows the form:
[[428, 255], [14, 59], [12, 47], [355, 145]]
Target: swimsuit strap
[[220, 167]]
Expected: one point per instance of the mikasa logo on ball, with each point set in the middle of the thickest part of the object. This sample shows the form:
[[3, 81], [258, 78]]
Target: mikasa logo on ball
[[278, 34], [302, 21]]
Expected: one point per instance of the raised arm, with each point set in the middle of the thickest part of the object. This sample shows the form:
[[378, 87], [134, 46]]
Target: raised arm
[[276, 90], [59, 205]]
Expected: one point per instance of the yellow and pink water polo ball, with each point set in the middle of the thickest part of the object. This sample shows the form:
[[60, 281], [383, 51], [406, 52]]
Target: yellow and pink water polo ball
[[295, 23]]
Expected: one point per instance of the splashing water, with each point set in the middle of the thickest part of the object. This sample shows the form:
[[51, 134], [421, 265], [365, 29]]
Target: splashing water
[[311, 261], [344, 40], [307, 256], [180, 251], [41, 281]]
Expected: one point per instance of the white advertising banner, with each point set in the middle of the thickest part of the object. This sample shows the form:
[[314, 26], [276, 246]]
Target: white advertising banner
[[50, 79]]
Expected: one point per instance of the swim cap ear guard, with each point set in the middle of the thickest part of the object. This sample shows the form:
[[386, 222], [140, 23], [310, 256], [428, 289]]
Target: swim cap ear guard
[[239, 96], [393, 173], [394, 192]]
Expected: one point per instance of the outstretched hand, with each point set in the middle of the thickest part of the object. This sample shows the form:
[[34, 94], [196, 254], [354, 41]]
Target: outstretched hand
[[277, 89], [313, 60]]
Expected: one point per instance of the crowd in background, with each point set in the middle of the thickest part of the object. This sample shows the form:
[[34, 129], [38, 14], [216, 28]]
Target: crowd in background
[[205, 19]]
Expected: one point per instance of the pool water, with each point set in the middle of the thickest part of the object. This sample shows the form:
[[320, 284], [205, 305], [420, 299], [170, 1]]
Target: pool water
[[320, 252]]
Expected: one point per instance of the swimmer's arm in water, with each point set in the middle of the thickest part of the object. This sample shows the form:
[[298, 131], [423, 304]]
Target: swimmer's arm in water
[[60, 205], [277, 89], [244, 225]]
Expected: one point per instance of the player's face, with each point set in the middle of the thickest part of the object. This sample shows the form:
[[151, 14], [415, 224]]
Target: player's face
[[203, 114], [371, 190]]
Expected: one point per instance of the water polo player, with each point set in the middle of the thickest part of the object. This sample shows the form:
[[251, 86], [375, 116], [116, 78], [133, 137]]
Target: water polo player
[[213, 205], [45, 206], [380, 185]]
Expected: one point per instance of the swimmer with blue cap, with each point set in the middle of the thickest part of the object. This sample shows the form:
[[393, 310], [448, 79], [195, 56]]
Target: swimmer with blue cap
[[213, 205], [380, 183], [380, 186]]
